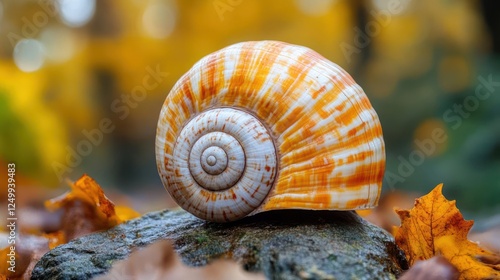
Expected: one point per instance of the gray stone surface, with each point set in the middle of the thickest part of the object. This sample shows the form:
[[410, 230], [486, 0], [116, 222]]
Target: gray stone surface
[[288, 244]]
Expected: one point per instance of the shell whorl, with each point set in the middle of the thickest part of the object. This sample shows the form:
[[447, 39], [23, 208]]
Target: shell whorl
[[259, 126], [240, 172]]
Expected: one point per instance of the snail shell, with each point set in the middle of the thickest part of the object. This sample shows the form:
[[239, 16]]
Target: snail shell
[[261, 126]]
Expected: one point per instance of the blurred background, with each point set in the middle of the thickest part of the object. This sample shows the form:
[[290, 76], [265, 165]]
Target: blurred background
[[73, 98]]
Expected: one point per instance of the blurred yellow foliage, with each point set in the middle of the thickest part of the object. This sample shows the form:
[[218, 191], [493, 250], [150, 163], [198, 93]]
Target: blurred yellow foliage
[[43, 134], [84, 69]]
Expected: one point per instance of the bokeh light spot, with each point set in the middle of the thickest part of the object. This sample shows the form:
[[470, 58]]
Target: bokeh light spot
[[392, 7], [28, 55], [59, 43], [314, 7], [159, 19], [76, 13]]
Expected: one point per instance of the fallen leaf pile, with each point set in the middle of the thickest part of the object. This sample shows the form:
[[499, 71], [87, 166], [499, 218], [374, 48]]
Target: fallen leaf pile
[[163, 263], [29, 249], [435, 227], [85, 209]]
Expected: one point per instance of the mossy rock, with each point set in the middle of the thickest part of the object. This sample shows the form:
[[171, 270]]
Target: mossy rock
[[287, 244]]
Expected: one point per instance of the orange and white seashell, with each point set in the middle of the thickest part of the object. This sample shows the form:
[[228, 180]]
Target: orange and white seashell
[[261, 126]]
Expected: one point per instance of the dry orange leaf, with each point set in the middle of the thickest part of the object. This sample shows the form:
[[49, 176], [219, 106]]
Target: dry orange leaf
[[18, 264], [85, 210], [436, 227], [468, 258], [87, 190]]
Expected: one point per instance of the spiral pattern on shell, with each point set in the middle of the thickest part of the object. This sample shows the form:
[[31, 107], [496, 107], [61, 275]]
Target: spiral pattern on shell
[[259, 126], [220, 154]]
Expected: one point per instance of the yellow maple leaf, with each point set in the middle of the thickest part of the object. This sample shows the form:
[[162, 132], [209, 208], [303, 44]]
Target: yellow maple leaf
[[464, 255], [435, 226]]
